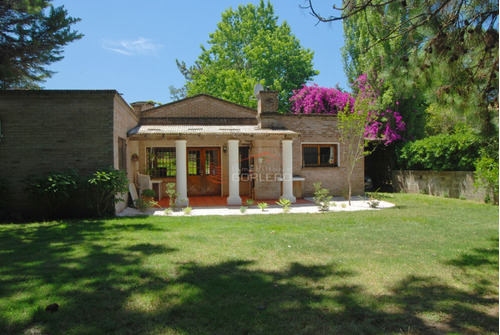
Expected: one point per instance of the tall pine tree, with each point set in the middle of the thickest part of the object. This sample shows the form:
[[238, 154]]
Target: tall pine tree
[[32, 36], [438, 53]]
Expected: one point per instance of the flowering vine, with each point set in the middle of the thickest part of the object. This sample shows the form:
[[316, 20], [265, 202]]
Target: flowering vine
[[385, 125]]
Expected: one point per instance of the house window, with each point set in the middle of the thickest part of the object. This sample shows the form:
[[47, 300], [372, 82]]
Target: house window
[[161, 162], [194, 163], [316, 155], [122, 154]]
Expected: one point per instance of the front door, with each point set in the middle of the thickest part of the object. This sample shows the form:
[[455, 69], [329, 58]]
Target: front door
[[204, 172]]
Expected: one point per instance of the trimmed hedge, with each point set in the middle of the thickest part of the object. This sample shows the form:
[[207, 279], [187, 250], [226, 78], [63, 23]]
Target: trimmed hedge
[[456, 152]]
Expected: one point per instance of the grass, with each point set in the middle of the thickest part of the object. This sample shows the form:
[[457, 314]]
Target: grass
[[428, 266]]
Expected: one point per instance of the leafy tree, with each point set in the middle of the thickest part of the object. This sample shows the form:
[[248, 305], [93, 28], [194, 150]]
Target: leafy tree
[[32, 36], [177, 93], [249, 47], [439, 52]]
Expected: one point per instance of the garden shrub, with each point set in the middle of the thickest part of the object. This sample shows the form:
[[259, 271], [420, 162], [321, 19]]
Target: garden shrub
[[322, 197], [53, 192], [68, 195], [455, 152], [486, 178], [103, 186]]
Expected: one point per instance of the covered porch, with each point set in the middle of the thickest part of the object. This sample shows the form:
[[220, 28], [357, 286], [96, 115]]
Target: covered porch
[[215, 165]]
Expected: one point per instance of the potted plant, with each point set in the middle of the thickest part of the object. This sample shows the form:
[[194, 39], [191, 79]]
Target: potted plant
[[148, 195], [135, 158]]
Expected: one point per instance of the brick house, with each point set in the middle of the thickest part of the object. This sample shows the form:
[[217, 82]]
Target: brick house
[[206, 145]]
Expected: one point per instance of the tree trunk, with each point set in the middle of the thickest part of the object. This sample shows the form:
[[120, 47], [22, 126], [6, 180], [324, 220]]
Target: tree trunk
[[349, 184]]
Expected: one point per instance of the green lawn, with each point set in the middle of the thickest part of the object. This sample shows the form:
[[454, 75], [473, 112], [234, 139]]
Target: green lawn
[[428, 266]]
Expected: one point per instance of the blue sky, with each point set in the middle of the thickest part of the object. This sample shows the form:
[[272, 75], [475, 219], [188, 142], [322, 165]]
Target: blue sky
[[131, 46]]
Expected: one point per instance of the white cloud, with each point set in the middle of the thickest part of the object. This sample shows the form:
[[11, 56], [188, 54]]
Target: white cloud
[[141, 46]]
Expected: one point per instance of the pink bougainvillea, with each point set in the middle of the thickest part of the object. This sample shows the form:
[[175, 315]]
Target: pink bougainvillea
[[384, 125], [319, 100]]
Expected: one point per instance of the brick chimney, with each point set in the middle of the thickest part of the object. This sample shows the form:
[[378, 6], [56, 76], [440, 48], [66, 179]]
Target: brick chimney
[[140, 106], [267, 109]]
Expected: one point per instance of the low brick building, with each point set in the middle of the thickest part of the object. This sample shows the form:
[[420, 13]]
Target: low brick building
[[206, 145]]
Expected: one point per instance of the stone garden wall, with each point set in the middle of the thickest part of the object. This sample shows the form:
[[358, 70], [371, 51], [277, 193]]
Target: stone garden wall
[[453, 184]]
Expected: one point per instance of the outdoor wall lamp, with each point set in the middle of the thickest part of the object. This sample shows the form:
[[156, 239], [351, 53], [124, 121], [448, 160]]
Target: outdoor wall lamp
[[224, 148]]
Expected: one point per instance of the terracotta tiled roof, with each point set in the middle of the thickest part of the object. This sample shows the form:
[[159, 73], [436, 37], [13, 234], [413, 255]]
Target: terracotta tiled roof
[[206, 130]]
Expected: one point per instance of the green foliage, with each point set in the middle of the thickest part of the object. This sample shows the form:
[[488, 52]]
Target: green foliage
[[177, 93], [104, 185], [53, 192], [32, 36], [322, 198], [172, 194], [250, 202], [446, 58], [262, 206], [443, 120], [456, 152], [249, 47], [187, 210], [143, 205], [148, 193], [243, 209], [67, 194], [486, 177], [364, 52], [55, 185], [285, 204]]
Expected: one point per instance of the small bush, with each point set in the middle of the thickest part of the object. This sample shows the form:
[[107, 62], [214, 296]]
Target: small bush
[[322, 197], [243, 209], [104, 185], [486, 178], [250, 202], [172, 194], [187, 210], [262, 206], [54, 192], [285, 204], [144, 205]]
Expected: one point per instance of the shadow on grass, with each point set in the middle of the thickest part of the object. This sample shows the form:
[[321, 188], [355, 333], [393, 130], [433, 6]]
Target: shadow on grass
[[107, 289]]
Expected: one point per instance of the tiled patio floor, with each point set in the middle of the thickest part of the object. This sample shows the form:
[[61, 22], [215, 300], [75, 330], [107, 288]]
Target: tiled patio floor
[[214, 201]]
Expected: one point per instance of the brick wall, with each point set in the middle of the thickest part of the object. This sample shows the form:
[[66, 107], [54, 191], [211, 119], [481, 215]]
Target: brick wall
[[318, 129], [200, 106], [52, 131]]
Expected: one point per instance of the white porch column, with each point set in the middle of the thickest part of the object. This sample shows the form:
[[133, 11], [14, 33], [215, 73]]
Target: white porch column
[[181, 172], [234, 173], [287, 171]]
